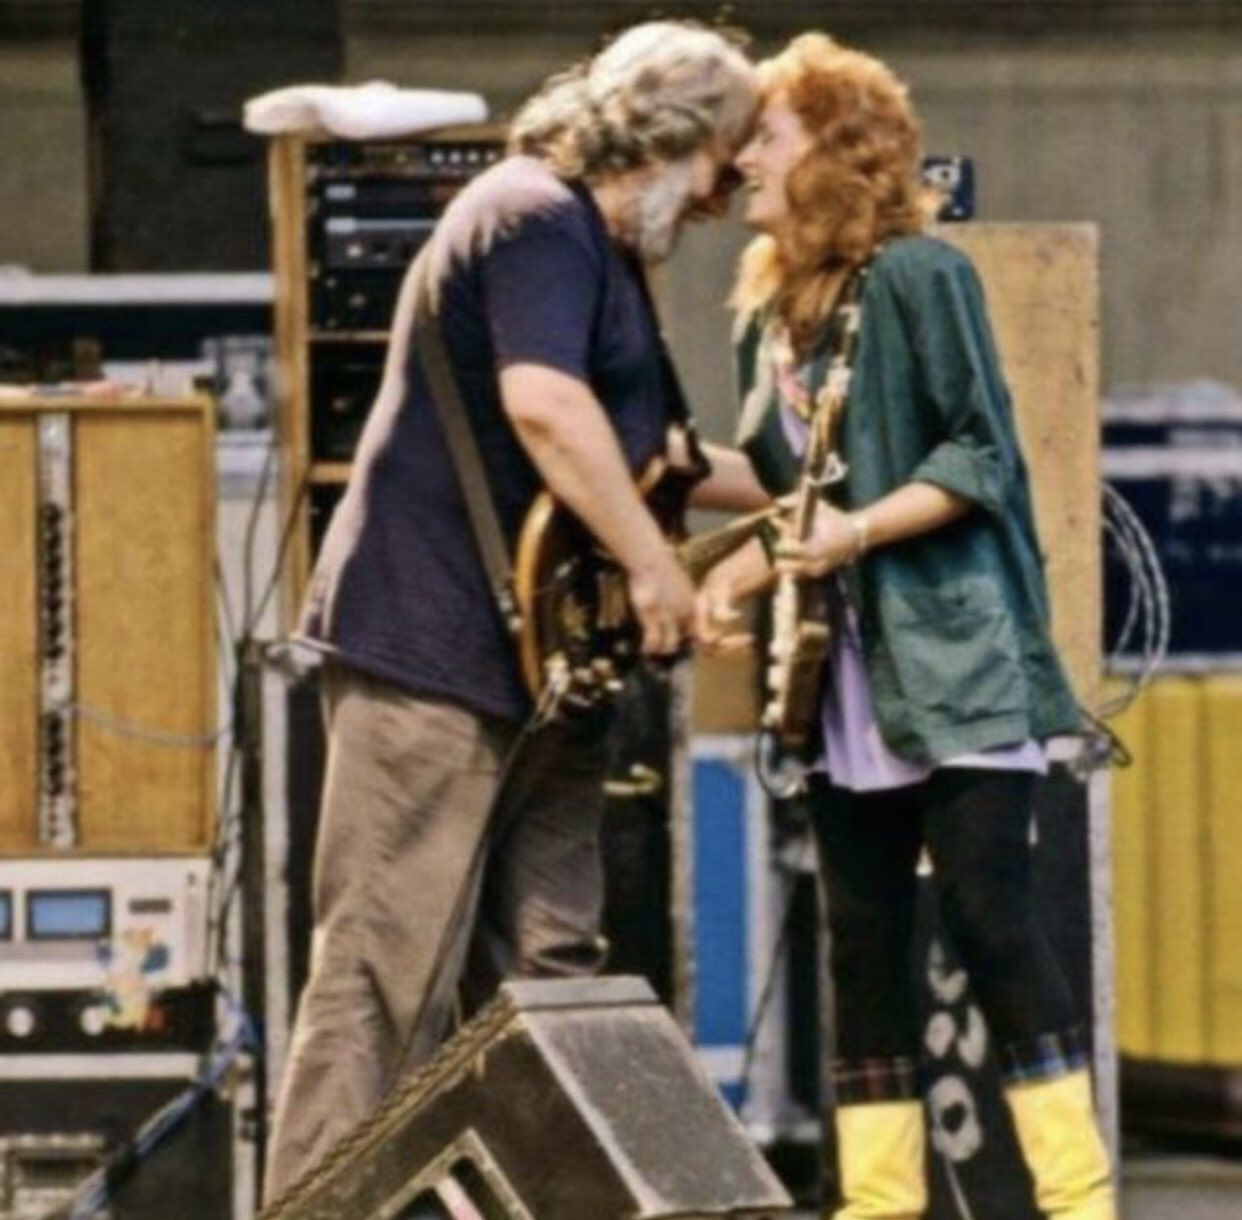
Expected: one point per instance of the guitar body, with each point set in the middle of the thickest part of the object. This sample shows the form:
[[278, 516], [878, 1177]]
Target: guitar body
[[797, 654], [578, 637], [801, 637], [578, 632], [577, 626]]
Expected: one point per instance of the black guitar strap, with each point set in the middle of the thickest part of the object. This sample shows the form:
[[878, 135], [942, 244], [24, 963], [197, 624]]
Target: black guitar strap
[[828, 384], [464, 449]]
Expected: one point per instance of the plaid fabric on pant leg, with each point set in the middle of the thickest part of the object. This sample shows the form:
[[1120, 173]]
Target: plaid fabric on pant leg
[[1043, 1058], [873, 1080]]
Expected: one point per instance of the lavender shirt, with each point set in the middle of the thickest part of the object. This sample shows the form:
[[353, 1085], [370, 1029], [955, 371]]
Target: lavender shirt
[[855, 755]]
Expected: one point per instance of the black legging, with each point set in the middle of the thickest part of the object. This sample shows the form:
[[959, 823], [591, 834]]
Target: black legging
[[975, 824]]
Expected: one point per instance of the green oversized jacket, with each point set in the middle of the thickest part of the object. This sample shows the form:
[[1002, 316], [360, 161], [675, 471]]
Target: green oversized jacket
[[954, 622]]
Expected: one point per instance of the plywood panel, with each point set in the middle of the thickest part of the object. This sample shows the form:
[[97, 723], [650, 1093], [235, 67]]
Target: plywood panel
[[19, 690], [287, 202], [146, 676], [1041, 282], [726, 693]]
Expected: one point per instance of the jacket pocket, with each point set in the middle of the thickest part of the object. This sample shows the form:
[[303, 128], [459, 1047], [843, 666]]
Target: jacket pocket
[[955, 650]]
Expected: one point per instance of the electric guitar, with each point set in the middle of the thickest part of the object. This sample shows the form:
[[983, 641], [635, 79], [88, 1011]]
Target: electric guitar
[[578, 636], [800, 630]]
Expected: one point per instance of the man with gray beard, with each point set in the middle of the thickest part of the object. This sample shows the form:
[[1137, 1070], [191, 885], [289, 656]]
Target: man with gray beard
[[451, 833]]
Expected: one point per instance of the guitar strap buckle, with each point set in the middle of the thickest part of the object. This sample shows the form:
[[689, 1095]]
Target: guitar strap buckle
[[781, 774], [834, 471], [510, 610]]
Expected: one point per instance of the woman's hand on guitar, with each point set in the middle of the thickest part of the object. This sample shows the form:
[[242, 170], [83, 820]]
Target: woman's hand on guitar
[[834, 542], [663, 600]]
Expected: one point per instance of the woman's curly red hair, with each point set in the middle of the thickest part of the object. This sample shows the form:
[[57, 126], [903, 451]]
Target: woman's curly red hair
[[858, 184]]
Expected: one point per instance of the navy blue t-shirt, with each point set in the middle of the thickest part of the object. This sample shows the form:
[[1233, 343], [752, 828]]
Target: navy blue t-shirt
[[527, 274]]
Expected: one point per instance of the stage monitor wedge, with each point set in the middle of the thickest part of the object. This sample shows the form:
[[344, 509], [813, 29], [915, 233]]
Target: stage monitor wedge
[[561, 1100]]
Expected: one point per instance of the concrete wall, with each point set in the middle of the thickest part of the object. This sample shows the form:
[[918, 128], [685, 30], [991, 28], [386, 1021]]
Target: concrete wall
[[1140, 134], [43, 205], [1145, 142]]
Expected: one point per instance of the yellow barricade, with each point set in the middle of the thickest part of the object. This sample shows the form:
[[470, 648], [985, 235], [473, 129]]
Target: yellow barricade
[[1177, 840]]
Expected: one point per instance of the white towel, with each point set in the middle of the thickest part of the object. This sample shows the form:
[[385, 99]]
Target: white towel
[[360, 112]]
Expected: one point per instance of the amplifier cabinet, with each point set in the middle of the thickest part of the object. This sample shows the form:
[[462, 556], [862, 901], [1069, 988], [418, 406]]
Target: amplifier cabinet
[[107, 642], [55, 1132], [179, 186]]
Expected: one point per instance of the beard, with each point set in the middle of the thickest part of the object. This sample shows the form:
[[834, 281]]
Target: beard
[[659, 210]]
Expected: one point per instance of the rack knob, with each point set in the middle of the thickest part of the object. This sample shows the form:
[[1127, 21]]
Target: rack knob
[[21, 1018], [92, 1019]]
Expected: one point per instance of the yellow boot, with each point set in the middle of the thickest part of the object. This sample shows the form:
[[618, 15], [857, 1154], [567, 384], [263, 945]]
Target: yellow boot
[[880, 1147], [1061, 1144]]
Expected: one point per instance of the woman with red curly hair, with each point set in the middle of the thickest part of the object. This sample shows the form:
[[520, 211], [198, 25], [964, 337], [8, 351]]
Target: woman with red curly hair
[[942, 683]]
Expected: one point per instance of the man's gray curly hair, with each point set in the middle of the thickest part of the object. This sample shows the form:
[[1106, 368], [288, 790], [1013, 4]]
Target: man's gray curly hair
[[661, 91]]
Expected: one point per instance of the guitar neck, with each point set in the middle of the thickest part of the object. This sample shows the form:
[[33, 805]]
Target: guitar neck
[[698, 555], [810, 485]]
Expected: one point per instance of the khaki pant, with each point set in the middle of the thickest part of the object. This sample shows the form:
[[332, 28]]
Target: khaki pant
[[426, 880]]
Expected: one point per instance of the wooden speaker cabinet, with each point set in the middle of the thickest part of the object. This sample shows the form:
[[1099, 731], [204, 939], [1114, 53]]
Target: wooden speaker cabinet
[[107, 639], [1042, 285]]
